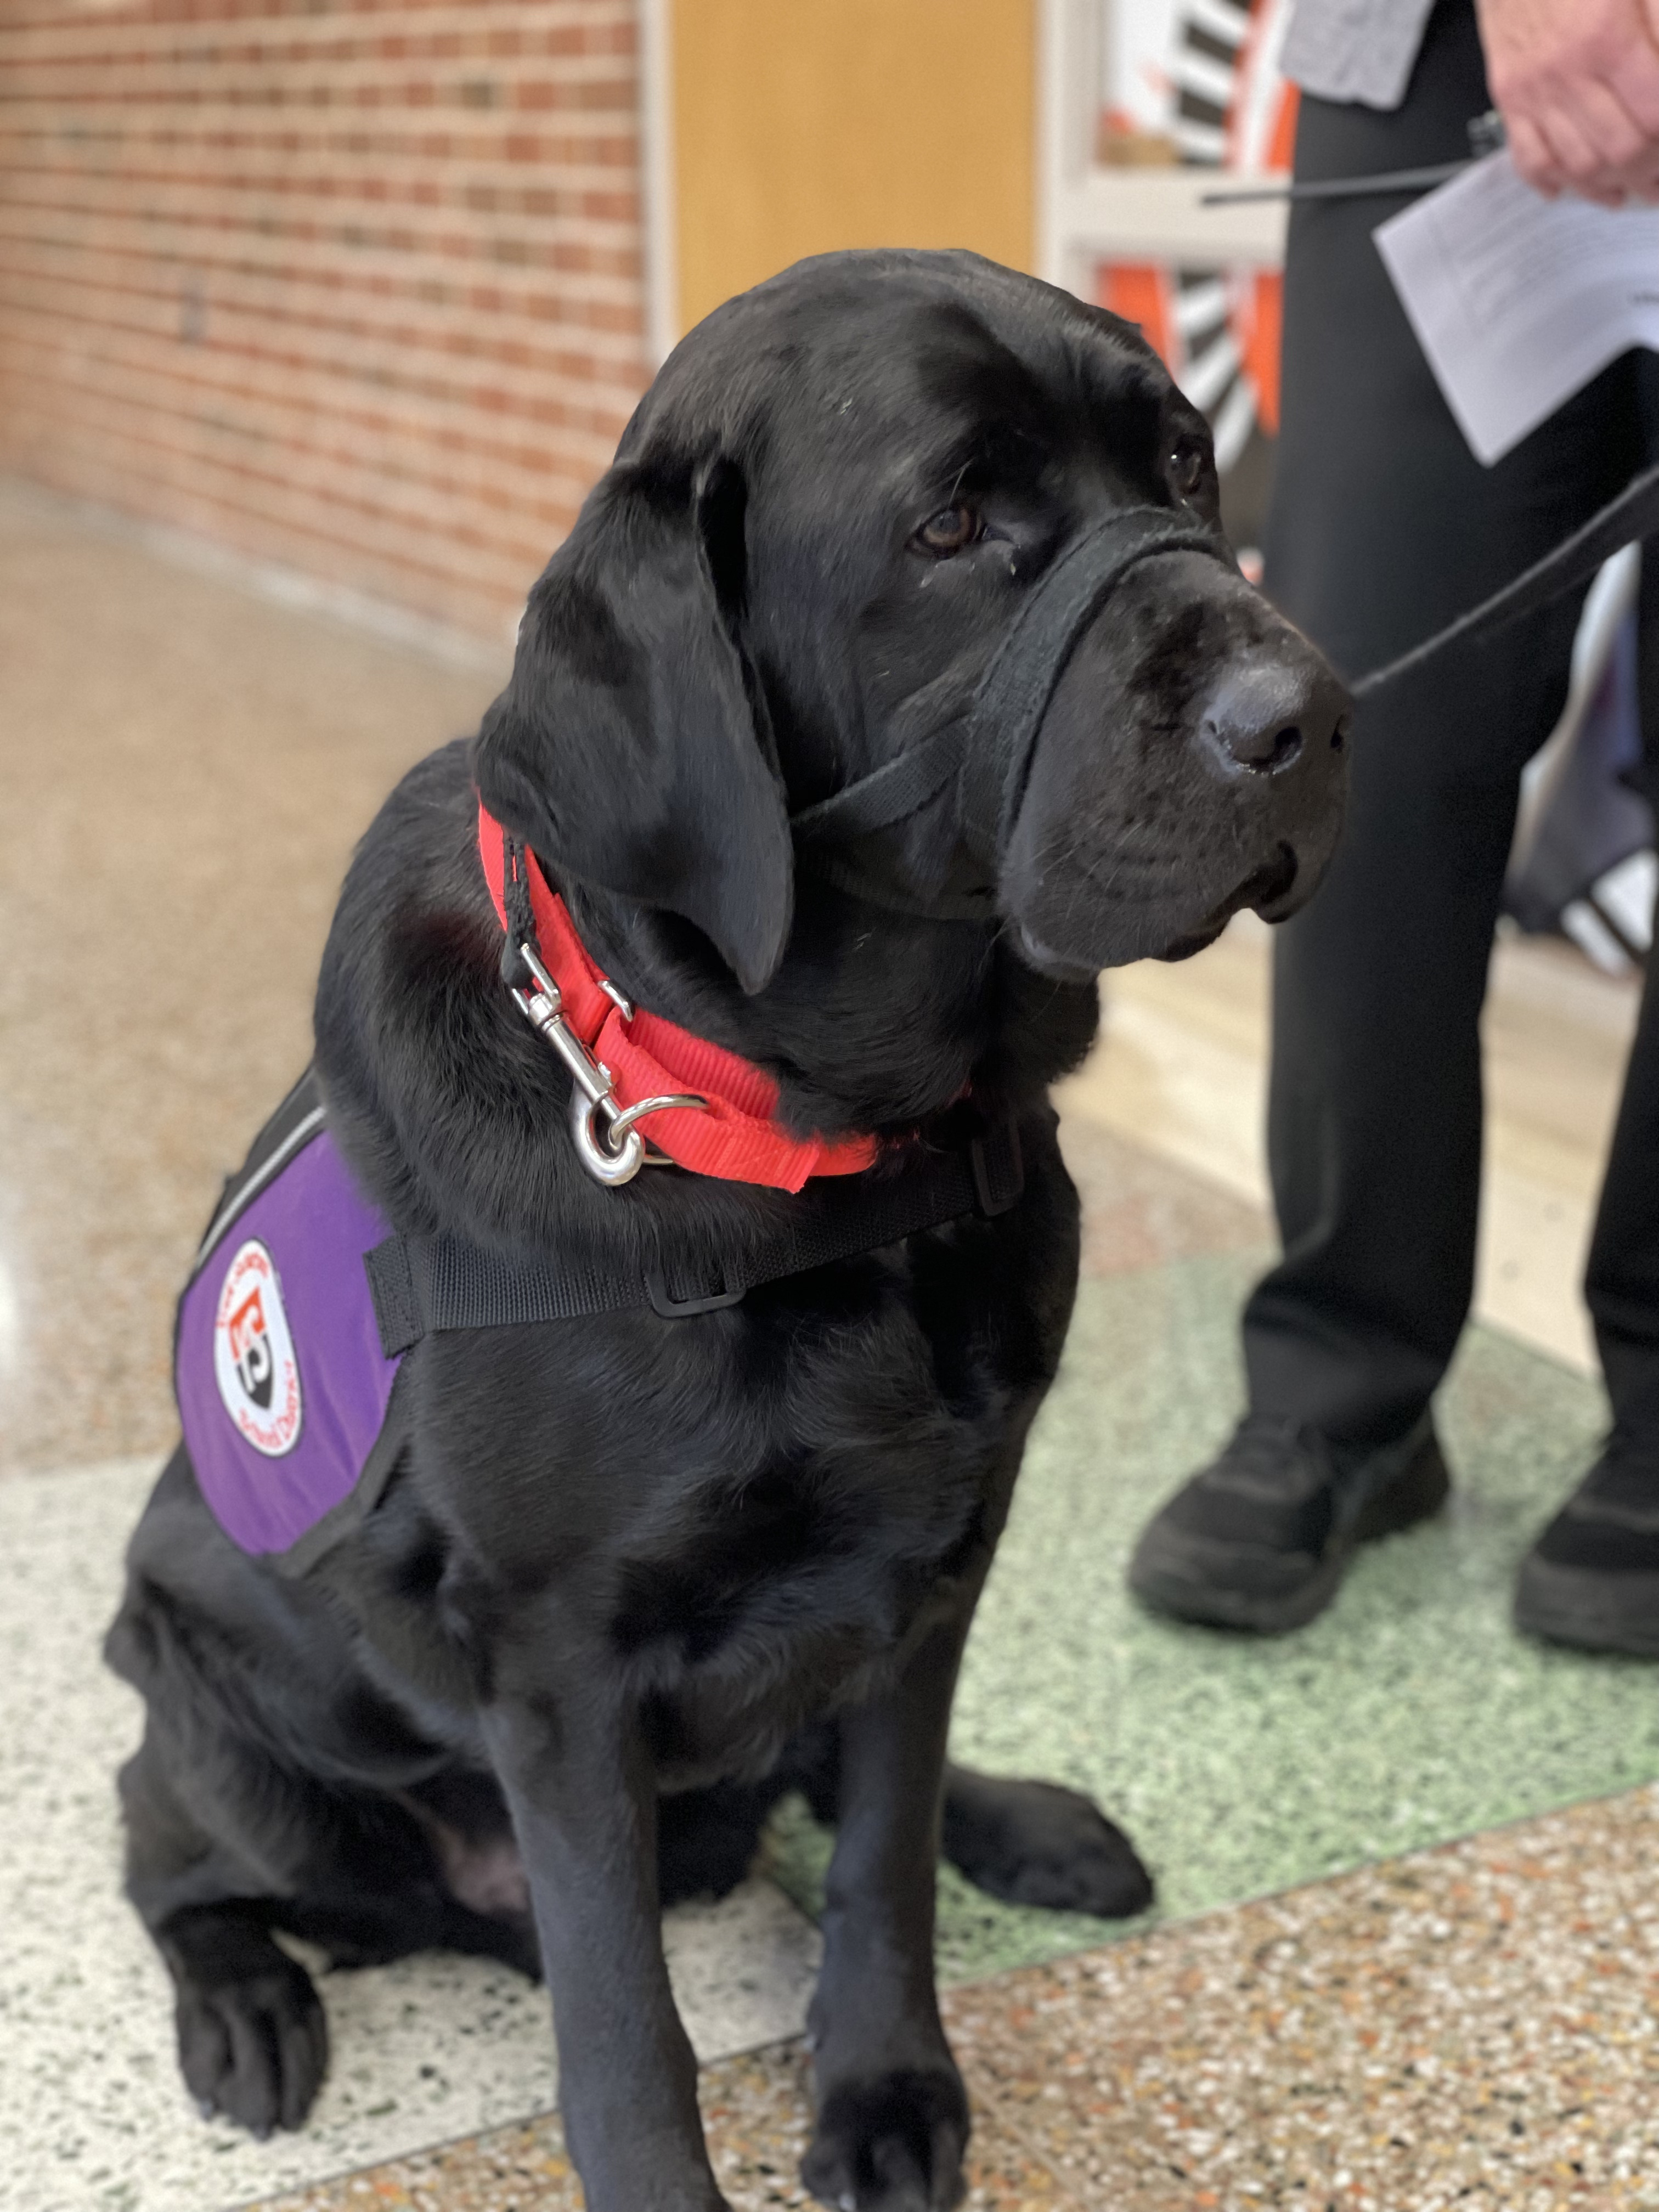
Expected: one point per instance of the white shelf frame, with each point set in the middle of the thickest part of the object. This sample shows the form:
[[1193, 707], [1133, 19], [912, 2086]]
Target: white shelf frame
[[1087, 214]]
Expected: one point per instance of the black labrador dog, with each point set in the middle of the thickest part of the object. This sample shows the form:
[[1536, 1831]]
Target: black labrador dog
[[895, 680]]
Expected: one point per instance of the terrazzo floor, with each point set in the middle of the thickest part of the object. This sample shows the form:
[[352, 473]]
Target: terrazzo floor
[[1470, 2028], [92, 2116], [1409, 1714], [184, 768]]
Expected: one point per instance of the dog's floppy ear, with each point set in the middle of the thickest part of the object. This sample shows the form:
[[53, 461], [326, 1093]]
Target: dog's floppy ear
[[626, 750]]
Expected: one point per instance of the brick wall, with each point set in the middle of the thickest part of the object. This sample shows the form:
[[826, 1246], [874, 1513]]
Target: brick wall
[[352, 285]]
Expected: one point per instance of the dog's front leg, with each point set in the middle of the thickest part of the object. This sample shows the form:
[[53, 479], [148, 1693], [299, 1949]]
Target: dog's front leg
[[583, 1798], [892, 2115]]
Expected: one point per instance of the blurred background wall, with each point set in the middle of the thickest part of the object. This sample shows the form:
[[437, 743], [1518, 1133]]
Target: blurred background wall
[[367, 289], [353, 287]]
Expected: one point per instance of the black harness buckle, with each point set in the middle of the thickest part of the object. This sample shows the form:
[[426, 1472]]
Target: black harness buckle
[[673, 1308], [997, 1191]]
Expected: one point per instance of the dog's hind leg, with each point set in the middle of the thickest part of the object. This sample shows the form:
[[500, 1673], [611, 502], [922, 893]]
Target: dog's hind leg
[[365, 1876], [708, 1839], [1027, 1843], [253, 2038], [1034, 1843], [372, 1931]]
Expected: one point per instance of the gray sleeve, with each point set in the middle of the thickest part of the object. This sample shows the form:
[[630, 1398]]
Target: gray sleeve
[[1355, 49]]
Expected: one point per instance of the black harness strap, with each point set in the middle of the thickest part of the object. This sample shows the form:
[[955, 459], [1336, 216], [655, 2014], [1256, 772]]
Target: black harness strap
[[1014, 692], [422, 1284], [902, 787]]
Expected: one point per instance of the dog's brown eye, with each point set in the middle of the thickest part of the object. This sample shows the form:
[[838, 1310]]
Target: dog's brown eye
[[1186, 466], [948, 531]]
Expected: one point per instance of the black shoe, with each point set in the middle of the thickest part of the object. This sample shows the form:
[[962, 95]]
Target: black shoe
[[1259, 1538], [1592, 1579]]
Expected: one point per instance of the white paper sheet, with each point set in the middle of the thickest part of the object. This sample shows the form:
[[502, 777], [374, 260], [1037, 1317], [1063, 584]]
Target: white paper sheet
[[1518, 301]]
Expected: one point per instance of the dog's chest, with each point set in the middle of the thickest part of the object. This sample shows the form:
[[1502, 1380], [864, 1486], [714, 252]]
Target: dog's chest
[[753, 1507]]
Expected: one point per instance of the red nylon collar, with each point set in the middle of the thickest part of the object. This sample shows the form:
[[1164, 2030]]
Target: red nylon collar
[[737, 1138]]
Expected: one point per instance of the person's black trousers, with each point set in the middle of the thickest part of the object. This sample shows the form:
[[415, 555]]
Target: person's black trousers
[[1383, 526]]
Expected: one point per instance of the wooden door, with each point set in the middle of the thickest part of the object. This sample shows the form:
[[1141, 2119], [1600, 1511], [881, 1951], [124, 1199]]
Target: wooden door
[[800, 125]]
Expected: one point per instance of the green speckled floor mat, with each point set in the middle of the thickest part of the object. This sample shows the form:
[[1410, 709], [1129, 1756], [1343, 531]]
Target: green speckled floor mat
[[1409, 1714]]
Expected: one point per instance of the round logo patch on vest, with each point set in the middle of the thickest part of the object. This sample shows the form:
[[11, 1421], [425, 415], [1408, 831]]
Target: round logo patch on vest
[[253, 1361]]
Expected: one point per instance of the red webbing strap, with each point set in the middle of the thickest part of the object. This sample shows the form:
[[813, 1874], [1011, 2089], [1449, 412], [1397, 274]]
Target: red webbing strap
[[737, 1139]]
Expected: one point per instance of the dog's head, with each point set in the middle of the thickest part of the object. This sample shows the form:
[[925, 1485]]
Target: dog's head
[[822, 549]]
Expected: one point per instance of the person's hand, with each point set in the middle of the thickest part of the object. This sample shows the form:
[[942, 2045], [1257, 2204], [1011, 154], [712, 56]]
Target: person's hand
[[1576, 83]]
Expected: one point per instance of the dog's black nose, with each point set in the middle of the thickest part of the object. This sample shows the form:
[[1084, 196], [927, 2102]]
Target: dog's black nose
[[1267, 713]]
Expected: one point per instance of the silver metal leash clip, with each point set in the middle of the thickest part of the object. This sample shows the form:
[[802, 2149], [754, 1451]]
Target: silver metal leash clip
[[607, 1138]]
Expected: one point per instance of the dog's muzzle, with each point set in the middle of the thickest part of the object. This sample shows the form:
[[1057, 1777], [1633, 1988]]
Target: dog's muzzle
[[985, 745]]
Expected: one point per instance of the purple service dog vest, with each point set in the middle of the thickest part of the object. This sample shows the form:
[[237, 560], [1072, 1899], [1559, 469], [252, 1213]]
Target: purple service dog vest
[[283, 1389]]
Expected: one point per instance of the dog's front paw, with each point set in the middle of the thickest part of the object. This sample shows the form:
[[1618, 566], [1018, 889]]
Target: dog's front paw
[[894, 2144], [253, 2045], [1033, 1843]]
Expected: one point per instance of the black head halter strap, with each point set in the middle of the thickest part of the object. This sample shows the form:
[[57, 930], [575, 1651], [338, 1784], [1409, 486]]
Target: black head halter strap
[[987, 747]]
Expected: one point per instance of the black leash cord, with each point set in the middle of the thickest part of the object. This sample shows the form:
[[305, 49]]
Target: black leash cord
[[1486, 134], [1634, 514], [1340, 188]]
